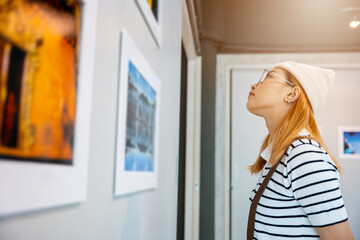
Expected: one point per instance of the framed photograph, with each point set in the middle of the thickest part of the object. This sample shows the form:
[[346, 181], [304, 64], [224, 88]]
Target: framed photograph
[[137, 134], [45, 93], [349, 142], [151, 10]]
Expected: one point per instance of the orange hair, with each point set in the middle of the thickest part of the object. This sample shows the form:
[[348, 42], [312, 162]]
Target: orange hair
[[300, 116]]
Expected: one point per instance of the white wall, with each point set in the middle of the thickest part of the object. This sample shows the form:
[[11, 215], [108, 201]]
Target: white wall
[[145, 215]]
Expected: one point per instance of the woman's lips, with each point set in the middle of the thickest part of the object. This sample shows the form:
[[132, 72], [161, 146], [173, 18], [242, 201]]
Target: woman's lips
[[251, 94]]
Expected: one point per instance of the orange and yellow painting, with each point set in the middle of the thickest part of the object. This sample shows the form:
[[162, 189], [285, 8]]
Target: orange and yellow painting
[[39, 55]]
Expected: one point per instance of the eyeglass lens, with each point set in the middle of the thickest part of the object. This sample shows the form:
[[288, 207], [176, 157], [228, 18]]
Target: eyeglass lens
[[263, 76]]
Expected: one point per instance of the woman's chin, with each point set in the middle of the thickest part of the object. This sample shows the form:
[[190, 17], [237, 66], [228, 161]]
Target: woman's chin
[[249, 107], [252, 110]]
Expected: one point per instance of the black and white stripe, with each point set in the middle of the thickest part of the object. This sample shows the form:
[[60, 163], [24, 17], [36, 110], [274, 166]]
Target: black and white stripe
[[302, 194]]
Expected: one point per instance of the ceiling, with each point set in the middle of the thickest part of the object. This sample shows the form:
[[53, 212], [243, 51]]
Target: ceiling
[[279, 25]]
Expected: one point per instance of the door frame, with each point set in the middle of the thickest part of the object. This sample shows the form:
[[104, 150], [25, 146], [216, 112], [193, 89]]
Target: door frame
[[225, 64], [193, 127]]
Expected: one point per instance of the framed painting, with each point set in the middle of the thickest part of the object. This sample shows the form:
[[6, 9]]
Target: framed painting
[[138, 113], [151, 10], [45, 92], [349, 142]]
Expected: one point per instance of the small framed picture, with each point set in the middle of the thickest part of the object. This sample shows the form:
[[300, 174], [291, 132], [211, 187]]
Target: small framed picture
[[137, 121], [349, 142], [151, 10]]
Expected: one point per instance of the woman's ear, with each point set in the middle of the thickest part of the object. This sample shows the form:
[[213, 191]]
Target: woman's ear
[[293, 95]]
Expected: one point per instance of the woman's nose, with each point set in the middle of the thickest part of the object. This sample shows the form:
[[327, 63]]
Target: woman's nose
[[253, 86]]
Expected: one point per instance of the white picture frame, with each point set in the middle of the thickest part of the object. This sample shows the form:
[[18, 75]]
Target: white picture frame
[[138, 112], [29, 187], [349, 142], [153, 22]]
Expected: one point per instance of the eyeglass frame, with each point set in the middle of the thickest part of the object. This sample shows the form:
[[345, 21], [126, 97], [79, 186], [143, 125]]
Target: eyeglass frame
[[270, 71]]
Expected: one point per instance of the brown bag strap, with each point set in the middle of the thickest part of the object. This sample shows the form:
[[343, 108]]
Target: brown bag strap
[[255, 201]]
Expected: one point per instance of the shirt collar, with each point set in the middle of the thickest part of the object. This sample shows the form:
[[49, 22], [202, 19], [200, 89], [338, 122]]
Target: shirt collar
[[266, 153]]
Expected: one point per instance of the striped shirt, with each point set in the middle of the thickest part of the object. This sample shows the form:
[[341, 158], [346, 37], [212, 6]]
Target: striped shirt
[[302, 194]]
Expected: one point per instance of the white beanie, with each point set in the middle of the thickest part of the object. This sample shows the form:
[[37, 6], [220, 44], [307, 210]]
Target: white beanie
[[315, 81]]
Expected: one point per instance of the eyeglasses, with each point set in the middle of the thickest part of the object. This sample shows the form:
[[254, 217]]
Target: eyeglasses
[[266, 74]]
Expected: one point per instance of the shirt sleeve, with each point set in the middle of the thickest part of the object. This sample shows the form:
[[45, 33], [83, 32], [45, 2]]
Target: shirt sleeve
[[314, 181]]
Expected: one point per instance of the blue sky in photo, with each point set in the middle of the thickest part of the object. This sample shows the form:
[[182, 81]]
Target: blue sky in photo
[[141, 82], [136, 161], [353, 139]]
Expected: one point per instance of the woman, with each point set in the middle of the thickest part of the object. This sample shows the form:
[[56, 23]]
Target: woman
[[302, 199]]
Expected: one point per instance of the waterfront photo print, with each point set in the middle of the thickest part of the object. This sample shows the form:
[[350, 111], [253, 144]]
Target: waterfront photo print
[[138, 116], [140, 123]]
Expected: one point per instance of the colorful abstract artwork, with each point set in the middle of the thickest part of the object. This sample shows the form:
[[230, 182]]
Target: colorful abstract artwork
[[45, 102], [39, 56]]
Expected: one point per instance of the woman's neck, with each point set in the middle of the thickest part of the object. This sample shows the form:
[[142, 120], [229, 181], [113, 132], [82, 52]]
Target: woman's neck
[[274, 118]]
